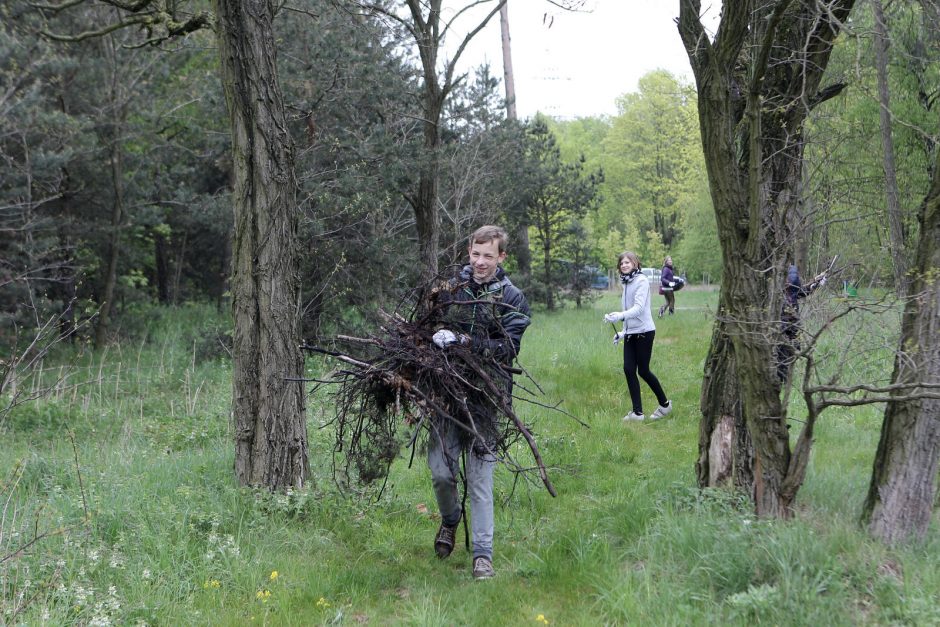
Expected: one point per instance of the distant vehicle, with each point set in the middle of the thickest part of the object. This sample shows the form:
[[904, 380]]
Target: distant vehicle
[[601, 281], [584, 275], [653, 274]]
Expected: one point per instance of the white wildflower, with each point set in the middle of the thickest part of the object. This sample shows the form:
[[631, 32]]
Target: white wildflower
[[117, 560]]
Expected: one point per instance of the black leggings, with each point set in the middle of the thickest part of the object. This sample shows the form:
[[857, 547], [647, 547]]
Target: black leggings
[[670, 301], [637, 351]]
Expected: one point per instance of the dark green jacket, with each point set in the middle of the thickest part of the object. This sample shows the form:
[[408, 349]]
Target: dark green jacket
[[494, 315]]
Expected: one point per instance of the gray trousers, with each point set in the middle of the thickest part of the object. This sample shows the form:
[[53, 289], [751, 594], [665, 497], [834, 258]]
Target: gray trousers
[[444, 460]]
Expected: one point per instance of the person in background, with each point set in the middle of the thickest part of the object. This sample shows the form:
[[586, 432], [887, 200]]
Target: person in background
[[793, 292], [491, 331], [667, 281], [637, 334]]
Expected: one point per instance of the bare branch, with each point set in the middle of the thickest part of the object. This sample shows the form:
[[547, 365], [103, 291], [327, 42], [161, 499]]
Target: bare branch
[[875, 389], [452, 64], [827, 93], [400, 378], [133, 20], [759, 64], [697, 45], [373, 8], [56, 7], [137, 14]]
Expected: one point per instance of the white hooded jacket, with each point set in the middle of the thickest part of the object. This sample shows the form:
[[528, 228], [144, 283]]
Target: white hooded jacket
[[636, 305]]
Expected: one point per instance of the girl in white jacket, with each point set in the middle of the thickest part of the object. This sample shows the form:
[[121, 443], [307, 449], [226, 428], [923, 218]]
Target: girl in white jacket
[[637, 335]]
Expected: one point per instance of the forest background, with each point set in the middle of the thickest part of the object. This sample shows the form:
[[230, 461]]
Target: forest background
[[117, 171], [115, 201]]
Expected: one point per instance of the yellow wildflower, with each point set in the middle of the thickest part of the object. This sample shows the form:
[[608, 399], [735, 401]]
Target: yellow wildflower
[[541, 618], [323, 603], [273, 576], [263, 595], [211, 583]]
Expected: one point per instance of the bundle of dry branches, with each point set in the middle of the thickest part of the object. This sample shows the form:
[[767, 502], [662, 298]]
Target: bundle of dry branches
[[399, 378]]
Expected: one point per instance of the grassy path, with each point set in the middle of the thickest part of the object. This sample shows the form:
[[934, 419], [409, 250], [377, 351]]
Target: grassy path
[[629, 540]]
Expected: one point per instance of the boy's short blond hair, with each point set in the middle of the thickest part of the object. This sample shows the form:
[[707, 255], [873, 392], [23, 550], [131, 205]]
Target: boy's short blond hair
[[488, 233]]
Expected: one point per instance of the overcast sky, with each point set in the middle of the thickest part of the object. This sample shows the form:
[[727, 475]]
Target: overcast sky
[[576, 64]]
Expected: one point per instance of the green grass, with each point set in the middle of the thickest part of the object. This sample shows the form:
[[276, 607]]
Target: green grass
[[171, 540]]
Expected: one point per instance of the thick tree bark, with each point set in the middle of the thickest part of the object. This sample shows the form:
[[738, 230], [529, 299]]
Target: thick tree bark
[[725, 449], [903, 484], [887, 143], [270, 424], [756, 83]]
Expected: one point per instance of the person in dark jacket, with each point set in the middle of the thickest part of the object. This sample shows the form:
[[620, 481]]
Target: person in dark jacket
[[667, 283], [486, 313], [793, 292]]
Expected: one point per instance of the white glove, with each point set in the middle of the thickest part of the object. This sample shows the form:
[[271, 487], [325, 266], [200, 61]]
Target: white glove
[[445, 338], [672, 284], [619, 335], [614, 316]]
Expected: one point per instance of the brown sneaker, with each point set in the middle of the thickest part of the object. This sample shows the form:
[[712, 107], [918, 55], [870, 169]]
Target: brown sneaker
[[483, 568], [444, 540]]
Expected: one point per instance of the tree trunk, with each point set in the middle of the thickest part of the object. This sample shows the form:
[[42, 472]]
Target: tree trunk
[[725, 450], [114, 239], [887, 143], [425, 204], [522, 251], [225, 264], [508, 79], [521, 246], [428, 26], [756, 82], [161, 267], [269, 416], [178, 269], [903, 484], [549, 288]]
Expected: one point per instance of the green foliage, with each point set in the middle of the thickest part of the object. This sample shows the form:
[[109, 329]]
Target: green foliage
[[37, 144], [559, 196], [630, 540], [653, 156], [170, 540], [846, 181], [698, 256], [654, 199]]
